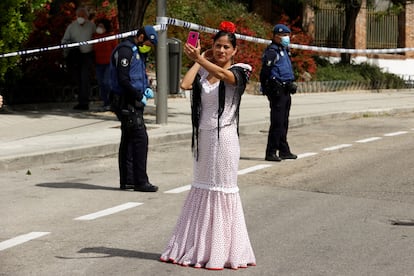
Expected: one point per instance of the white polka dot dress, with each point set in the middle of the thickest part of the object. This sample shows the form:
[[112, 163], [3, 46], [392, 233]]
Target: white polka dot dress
[[211, 230]]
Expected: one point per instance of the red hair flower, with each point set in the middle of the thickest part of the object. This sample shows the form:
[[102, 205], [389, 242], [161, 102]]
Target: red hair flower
[[227, 26]]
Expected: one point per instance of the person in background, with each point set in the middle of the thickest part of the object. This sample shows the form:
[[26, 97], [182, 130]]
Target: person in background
[[1, 101], [103, 52], [211, 231], [276, 79], [130, 88], [80, 59]]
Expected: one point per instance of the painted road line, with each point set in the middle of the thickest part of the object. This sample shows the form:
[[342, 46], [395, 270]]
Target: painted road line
[[109, 211], [368, 140], [337, 147], [254, 168], [306, 154], [21, 239], [178, 190], [395, 133]]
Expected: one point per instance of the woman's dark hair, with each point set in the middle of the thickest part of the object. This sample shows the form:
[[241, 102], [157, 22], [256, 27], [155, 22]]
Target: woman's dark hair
[[231, 36]]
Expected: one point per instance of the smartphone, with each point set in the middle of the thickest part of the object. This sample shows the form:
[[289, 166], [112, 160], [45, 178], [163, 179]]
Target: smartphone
[[193, 38]]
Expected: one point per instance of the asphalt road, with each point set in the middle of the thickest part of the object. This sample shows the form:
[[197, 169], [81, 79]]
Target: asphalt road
[[345, 207]]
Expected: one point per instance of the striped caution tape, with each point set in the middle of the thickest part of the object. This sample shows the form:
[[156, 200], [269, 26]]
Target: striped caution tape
[[162, 25]]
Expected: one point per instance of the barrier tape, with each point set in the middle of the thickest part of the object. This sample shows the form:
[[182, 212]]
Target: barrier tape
[[162, 25]]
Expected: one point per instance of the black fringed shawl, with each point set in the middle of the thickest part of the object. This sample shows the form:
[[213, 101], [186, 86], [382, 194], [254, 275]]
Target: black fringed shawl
[[242, 75]]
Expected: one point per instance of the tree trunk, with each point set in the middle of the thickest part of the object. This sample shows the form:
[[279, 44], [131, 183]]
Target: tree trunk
[[352, 8], [131, 14], [263, 8]]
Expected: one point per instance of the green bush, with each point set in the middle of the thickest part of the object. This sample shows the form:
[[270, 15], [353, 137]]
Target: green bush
[[357, 72]]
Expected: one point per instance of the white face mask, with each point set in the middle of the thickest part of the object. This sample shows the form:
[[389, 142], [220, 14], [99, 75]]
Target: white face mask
[[80, 20], [100, 30]]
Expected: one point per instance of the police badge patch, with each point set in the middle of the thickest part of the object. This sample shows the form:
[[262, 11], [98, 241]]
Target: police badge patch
[[124, 62]]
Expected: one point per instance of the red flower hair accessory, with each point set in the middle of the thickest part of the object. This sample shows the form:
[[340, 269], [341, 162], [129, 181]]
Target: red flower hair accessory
[[227, 26]]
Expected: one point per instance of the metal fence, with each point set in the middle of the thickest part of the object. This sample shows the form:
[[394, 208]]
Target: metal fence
[[381, 29], [329, 25]]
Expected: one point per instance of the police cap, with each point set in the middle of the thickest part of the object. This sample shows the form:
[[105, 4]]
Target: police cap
[[151, 34], [281, 29]]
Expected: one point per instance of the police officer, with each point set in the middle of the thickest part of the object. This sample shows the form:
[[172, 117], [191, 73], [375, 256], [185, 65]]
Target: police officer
[[276, 79], [130, 88]]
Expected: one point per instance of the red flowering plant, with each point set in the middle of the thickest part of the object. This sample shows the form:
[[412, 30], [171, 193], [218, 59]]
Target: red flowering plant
[[48, 29], [107, 9]]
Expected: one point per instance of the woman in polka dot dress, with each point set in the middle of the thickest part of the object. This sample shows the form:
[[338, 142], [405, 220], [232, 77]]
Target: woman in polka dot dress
[[211, 231]]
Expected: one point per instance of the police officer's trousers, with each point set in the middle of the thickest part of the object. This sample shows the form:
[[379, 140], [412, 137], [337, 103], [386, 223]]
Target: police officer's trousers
[[133, 152], [279, 104]]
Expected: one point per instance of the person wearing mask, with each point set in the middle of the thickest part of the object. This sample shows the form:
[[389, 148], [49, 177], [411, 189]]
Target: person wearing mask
[[130, 89], [80, 59], [276, 79], [211, 231], [103, 51]]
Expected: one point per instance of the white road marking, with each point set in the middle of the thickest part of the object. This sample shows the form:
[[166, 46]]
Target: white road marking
[[254, 168], [109, 211], [21, 239], [368, 140], [395, 133], [179, 190], [241, 172], [306, 154], [337, 147]]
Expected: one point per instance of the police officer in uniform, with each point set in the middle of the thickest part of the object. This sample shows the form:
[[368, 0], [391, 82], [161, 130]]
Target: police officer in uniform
[[130, 91], [276, 79]]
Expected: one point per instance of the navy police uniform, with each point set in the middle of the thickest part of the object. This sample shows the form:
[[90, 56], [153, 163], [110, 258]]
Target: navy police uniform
[[129, 81], [276, 78]]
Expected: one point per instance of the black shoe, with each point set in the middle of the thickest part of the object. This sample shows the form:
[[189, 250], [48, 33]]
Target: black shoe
[[272, 157], [287, 156], [81, 107], [148, 187], [126, 187]]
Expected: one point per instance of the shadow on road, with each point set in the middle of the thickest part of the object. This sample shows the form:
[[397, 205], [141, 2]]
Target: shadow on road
[[114, 252], [66, 185]]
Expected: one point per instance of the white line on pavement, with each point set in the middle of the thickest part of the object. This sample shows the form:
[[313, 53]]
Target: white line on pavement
[[368, 140], [109, 211], [21, 239], [244, 171], [337, 147], [252, 169], [395, 133], [306, 154], [179, 190]]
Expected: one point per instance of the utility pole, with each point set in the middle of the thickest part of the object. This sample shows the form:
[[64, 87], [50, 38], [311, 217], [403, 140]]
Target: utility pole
[[162, 68]]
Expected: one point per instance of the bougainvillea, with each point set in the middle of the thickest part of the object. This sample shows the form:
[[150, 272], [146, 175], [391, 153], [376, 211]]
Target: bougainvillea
[[107, 9]]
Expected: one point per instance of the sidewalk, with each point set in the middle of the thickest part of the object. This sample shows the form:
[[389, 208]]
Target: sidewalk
[[37, 137]]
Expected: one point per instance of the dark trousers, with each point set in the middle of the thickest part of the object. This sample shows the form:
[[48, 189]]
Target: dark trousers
[[80, 66], [84, 73], [279, 122], [132, 157]]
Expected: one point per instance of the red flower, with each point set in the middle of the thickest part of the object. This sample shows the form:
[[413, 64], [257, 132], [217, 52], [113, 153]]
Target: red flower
[[227, 26], [105, 4]]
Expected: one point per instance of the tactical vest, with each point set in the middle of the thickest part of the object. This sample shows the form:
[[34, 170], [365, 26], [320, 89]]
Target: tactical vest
[[137, 73], [282, 67]]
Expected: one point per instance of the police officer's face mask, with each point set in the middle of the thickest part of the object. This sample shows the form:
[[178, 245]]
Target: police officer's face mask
[[285, 40], [144, 49]]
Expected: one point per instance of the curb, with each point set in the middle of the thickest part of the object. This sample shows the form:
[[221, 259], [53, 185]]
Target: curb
[[110, 149]]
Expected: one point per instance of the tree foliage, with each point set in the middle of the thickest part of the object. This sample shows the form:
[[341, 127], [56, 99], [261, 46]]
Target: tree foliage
[[16, 18]]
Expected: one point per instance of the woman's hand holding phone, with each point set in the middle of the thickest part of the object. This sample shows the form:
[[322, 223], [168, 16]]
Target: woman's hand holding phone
[[192, 38]]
